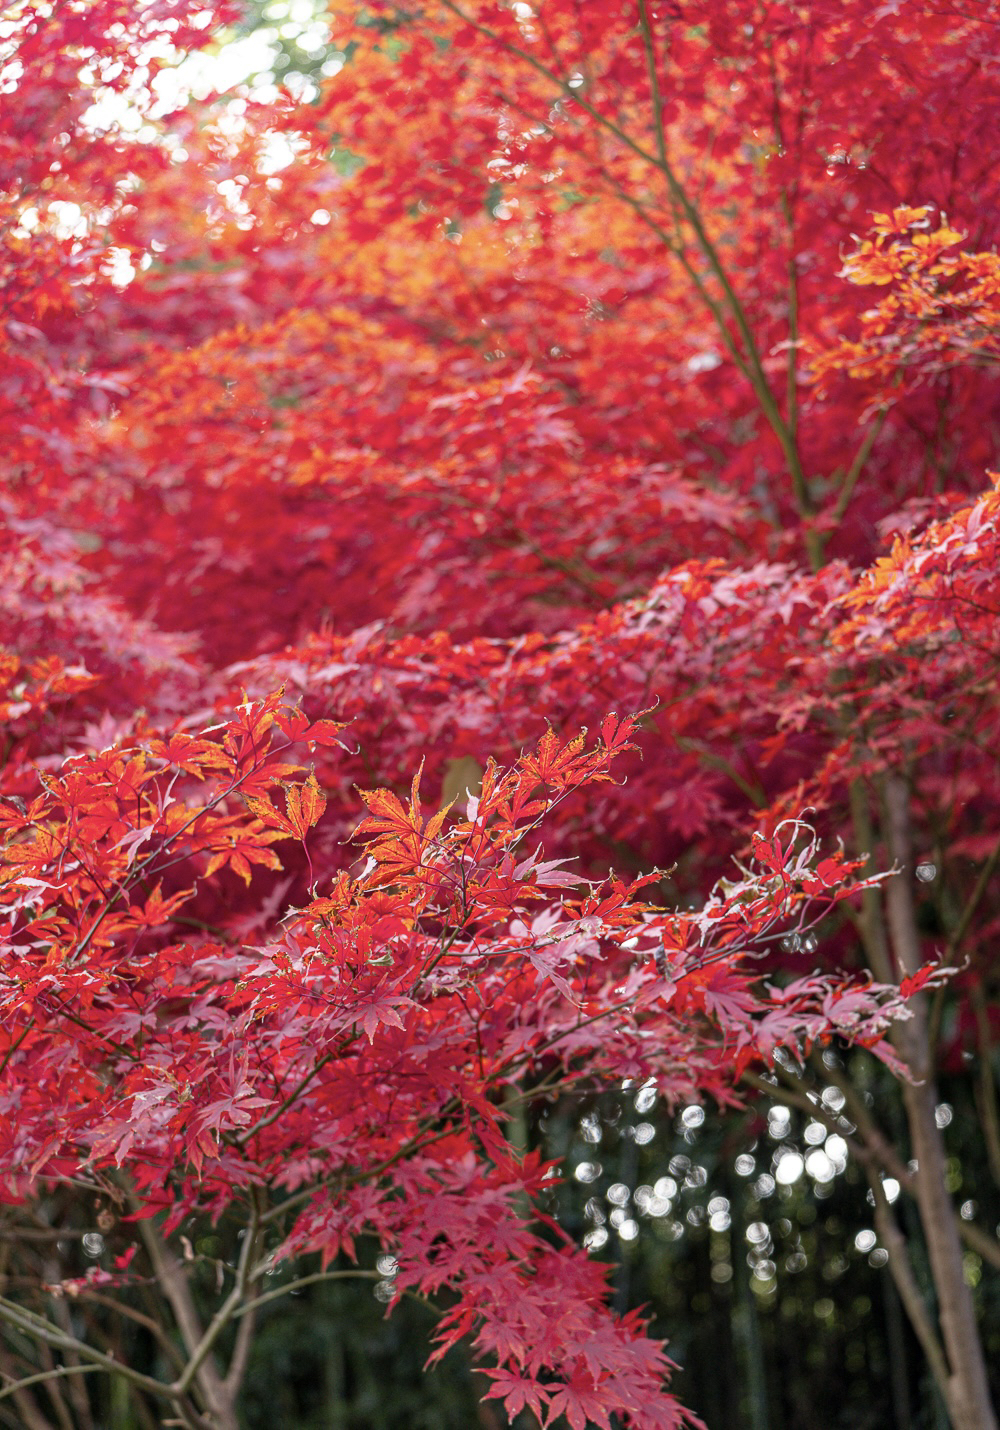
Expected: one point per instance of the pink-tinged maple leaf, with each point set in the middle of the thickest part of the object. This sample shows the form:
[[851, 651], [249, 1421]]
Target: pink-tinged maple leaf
[[133, 841], [582, 1402], [518, 1392], [373, 1009], [728, 1001], [547, 962]]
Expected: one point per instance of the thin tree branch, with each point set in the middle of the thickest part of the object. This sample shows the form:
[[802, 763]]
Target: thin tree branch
[[967, 1394], [241, 1353], [874, 1147], [47, 1375], [355, 1274], [175, 1287], [980, 1242], [909, 1293], [858, 465], [982, 884], [246, 1273], [987, 1089], [141, 1319], [38, 1328]]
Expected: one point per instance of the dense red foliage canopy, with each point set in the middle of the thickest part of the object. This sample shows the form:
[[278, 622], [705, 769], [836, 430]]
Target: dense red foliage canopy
[[540, 362]]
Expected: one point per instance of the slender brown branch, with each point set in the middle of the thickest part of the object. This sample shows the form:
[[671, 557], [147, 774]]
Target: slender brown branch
[[982, 884], [980, 1242], [909, 1293], [882, 1148], [987, 1088], [174, 1285], [967, 1394], [246, 1272], [874, 1148], [38, 1328], [240, 1358], [858, 465], [141, 1319], [872, 926], [250, 1306], [44, 1375]]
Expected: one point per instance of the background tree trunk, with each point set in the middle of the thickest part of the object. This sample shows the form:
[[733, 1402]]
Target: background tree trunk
[[967, 1390]]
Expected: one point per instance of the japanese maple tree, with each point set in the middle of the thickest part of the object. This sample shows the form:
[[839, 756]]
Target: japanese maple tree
[[365, 443]]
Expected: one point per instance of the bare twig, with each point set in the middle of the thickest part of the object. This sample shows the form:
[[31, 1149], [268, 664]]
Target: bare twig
[[44, 1375]]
